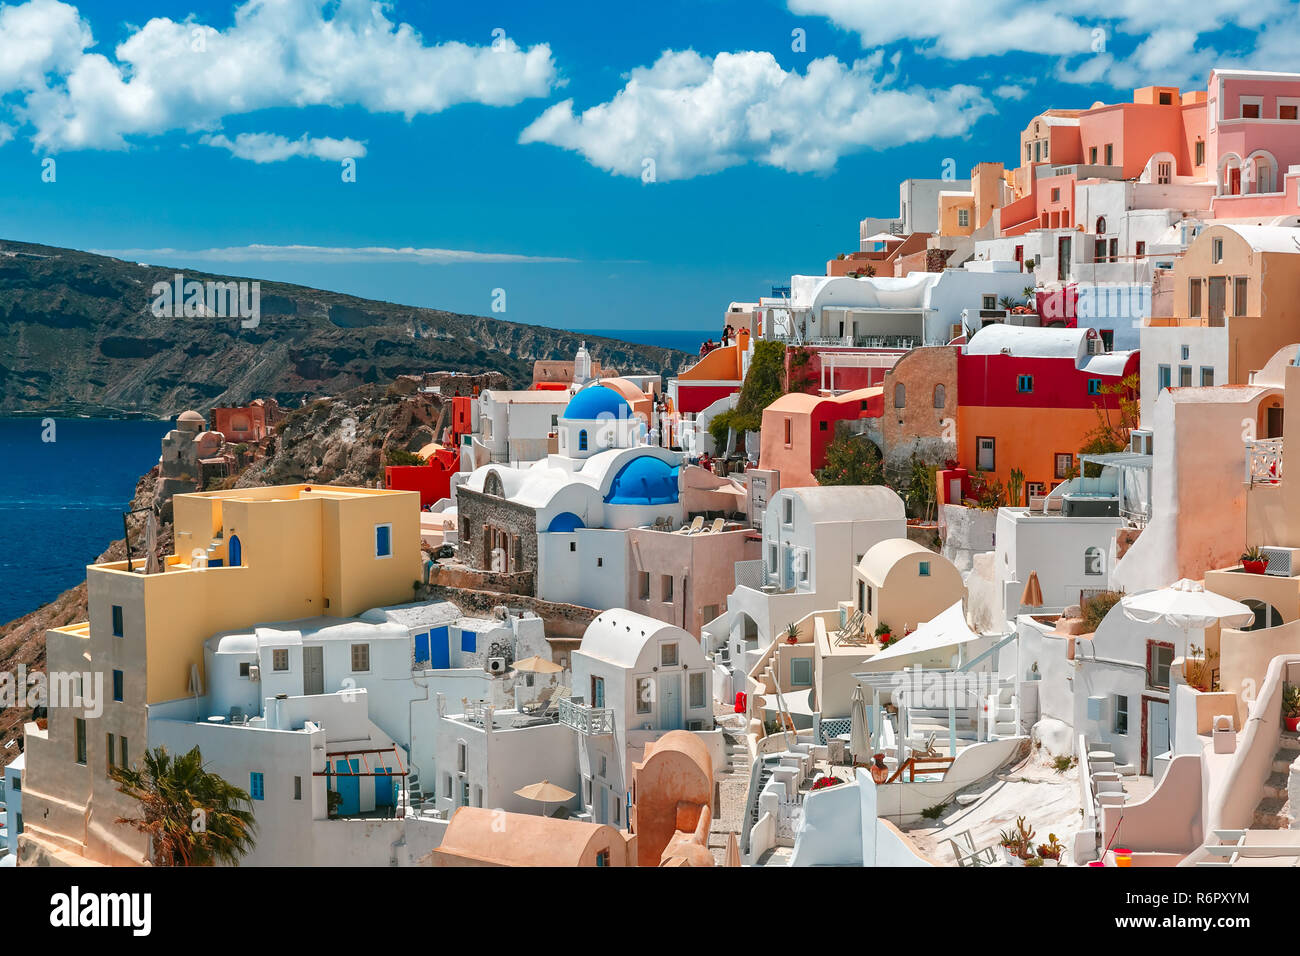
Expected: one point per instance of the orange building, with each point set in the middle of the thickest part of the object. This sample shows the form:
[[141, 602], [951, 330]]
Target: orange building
[[672, 802], [479, 836], [797, 428]]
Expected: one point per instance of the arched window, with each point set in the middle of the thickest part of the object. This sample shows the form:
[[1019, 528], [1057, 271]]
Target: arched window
[[1265, 615], [1092, 563], [582, 440], [1101, 225], [939, 396], [900, 395]]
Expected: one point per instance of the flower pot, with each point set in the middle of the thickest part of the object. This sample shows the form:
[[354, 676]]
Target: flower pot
[[1292, 723], [1255, 567], [1011, 858]]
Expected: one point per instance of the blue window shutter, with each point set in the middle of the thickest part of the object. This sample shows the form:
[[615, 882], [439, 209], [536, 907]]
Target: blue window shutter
[[255, 785], [383, 541], [439, 649], [422, 648], [468, 642], [117, 685]]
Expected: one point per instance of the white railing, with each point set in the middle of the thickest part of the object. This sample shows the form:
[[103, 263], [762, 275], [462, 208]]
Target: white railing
[[1264, 461], [586, 720]]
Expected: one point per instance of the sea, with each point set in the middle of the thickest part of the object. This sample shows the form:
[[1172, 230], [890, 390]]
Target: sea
[[61, 501], [687, 340]]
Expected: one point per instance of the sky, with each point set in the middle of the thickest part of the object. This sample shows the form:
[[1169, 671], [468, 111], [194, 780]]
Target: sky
[[578, 164]]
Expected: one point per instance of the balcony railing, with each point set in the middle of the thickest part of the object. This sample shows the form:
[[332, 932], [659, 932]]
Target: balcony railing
[[1264, 461], [750, 574], [586, 720]]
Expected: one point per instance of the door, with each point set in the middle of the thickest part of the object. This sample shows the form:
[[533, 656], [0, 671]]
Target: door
[[385, 788], [984, 457], [313, 670], [1218, 299], [1063, 258], [348, 786], [235, 551], [439, 648], [670, 702], [1157, 731], [602, 810], [1274, 423], [422, 651], [598, 692]]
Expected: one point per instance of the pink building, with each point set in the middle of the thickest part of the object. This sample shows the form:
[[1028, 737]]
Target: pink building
[[1253, 138]]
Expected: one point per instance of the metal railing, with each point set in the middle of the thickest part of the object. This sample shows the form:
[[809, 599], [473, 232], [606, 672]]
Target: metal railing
[[750, 574], [586, 720], [1264, 461]]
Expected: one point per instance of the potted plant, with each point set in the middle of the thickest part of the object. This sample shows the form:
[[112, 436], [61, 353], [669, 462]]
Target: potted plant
[[1052, 850], [1018, 844], [792, 633], [884, 637], [1291, 706], [821, 783], [1254, 560]]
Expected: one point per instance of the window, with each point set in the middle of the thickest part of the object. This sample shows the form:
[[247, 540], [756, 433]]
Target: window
[[1140, 250], [280, 659], [1024, 383], [1194, 298], [696, 689], [79, 728], [1163, 379], [360, 657], [1159, 657], [117, 620], [1092, 156], [1200, 152], [1207, 376], [1239, 287], [1110, 154], [1101, 225], [110, 750], [297, 788], [117, 686], [870, 595], [255, 786], [383, 540], [801, 672], [245, 669], [963, 218], [1249, 110], [990, 302], [555, 420], [666, 588], [1164, 173], [462, 756], [789, 432], [822, 426], [1184, 376], [1216, 250], [1121, 715], [900, 395], [446, 786], [122, 760], [602, 858], [1166, 99], [645, 695], [1186, 352], [573, 546], [582, 440], [787, 508], [1286, 111], [709, 613], [1064, 464], [940, 396], [985, 454], [468, 641], [1094, 386], [1092, 563], [668, 655], [643, 582], [923, 569], [600, 562]]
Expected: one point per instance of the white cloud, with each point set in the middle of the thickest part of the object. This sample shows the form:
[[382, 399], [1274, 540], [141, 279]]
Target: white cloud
[[1009, 91], [316, 254], [170, 75], [1123, 44], [274, 148], [693, 115]]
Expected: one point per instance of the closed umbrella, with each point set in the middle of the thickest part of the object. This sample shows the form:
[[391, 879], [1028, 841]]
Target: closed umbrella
[[545, 792], [733, 850], [1033, 596], [151, 565], [858, 743], [1186, 605]]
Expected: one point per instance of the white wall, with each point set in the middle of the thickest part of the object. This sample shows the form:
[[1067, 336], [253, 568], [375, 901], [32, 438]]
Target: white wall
[[1207, 347], [587, 567]]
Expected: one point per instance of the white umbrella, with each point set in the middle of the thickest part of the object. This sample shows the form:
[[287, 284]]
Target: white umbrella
[[858, 725], [1186, 605], [883, 237]]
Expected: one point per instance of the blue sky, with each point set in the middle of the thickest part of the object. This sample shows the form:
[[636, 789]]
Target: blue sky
[[514, 137]]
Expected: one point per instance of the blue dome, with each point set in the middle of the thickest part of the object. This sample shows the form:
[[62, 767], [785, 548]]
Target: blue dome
[[595, 402], [565, 522], [644, 480]]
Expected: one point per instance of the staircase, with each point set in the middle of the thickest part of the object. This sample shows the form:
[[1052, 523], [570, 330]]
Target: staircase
[[1274, 809], [732, 784], [1006, 718]]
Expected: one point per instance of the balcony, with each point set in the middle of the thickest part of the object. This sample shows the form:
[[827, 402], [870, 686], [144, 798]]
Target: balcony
[[587, 721], [1264, 461]]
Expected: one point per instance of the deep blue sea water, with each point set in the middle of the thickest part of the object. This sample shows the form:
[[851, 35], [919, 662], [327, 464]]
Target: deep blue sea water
[[688, 340], [61, 502]]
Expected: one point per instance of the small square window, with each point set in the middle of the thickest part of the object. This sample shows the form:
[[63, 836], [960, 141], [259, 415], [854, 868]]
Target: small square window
[[360, 657], [245, 669], [1024, 383], [1094, 386], [468, 642], [822, 426], [255, 786], [1286, 111], [668, 655], [383, 540], [280, 659], [1064, 464], [924, 569]]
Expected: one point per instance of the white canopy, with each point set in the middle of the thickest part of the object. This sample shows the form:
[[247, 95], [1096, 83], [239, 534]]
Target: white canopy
[[883, 237], [946, 630], [1186, 605]]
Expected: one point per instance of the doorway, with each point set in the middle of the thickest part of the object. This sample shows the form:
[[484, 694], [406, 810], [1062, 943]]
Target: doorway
[[1157, 732], [313, 670], [670, 702]]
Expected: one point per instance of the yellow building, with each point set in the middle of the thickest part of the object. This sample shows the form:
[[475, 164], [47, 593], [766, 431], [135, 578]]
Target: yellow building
[[243, 557]]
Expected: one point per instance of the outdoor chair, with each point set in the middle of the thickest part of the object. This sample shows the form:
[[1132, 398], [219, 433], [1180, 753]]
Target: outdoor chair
[[717, 526], [967, 854], [696, 526], [541, 703]]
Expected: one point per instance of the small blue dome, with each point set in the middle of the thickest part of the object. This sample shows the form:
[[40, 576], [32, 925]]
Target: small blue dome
[[644, 480], [595, 402], [565, 522]]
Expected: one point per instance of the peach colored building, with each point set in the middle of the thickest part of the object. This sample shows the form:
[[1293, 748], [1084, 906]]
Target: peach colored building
[[702, 566], [797, 429], [902, 584], [1251, 125], [480, 836], [248, 423], [672, 802]]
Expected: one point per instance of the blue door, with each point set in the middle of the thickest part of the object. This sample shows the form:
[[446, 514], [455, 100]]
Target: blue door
[[385, 788], [235, 551], [347, 785], [422, 650], [439, 648]]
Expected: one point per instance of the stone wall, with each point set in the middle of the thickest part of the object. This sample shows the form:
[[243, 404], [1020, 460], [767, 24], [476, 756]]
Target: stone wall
[[477, 510], [919, 427], [562, 620]]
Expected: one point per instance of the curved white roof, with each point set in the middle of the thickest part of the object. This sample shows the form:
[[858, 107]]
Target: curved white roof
[[849, 502], [1027, 341], [618, 636], [1109, 363], [535, 485], [882, 556], [879, 292], [1268, 238], [424, 614]]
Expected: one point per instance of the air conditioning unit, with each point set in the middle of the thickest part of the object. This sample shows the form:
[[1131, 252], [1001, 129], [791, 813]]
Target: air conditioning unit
[[495, 665], [1282, 562], [694, 725], [254, 672]]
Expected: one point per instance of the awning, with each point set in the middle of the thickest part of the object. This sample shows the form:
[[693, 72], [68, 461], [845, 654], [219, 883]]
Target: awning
[[947, 630], [1119, 459]]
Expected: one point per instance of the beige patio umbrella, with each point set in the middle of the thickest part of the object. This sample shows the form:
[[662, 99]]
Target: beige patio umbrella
[[1033, 596], [545, 792], [858, 742], [151, 565], [733, 851], [537, 665]]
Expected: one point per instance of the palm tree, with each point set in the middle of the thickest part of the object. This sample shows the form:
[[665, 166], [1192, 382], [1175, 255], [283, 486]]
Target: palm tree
[[191, 816], [1029, 292]]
